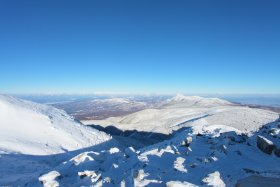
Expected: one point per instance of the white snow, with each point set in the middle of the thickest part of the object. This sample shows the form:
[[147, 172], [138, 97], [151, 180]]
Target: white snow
[[194, 101], [83, 157], [30, 128], [179, 184], [179, 164], [266, 140], [48, 179], [180, 113], [114, 150], [214, 179], [111, 100], [218, 153]]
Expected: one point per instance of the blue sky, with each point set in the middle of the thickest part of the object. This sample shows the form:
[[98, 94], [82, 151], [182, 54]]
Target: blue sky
[[140, 46]]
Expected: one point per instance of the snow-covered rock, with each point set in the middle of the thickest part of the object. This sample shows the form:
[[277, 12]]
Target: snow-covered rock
[[214, 179], [208, 161], [265, 145], [221, 149], [49, 179]]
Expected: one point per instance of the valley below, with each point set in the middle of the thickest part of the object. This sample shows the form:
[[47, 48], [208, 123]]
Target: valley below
[[156, 141]]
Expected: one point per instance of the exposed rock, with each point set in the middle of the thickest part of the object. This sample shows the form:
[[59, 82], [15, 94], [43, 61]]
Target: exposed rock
[[277, 151], [187, 142], [265, 145], [247, 170], [234, 137], [222, 148], [87, 173], [193, 165], [130, 152]]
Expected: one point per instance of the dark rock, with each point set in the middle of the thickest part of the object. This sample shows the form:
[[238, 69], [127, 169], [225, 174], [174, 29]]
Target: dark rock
[[247, 170], [222, 148], [234, 137], [277, 151], [238, 152], [193, 165], [187, 141], [265, 145], [273, 131]]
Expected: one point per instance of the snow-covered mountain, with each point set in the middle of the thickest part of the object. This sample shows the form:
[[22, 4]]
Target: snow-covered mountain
[[30, 128], [193, 101], [212, 143], [211, 148], [121, 104], [101, 108], [183, 111]]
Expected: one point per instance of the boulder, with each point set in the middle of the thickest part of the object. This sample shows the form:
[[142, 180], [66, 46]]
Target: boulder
[[265, 145], [234, 137]]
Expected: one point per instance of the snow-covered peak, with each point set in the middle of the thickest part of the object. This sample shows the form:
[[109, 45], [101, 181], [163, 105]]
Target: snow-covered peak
[[111, 101], [32, 128], [185, 101], [183, 98]]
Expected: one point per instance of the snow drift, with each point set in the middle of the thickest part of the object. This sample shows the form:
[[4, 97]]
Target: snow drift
[[31, 128]]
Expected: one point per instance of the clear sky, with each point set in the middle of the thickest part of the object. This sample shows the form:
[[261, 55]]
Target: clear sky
[[140, 46]]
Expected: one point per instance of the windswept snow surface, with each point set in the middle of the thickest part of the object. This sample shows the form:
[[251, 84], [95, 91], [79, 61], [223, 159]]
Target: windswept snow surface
[[34, 138], [215, 156], [30, 128], [183, 111], [212, 144], [193, 101], [208, 148]]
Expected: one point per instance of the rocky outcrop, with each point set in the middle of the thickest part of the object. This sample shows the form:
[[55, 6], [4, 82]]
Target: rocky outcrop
[[265, 145], [233, 137], [187, 141]]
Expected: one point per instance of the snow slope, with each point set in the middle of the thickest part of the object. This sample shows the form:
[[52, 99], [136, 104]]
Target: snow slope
[[201, 155], [212, 144], [182, 111], [30, 128], [193, 101]]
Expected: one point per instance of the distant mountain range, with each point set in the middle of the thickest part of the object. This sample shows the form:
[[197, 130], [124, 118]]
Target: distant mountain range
[[179, 141]]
